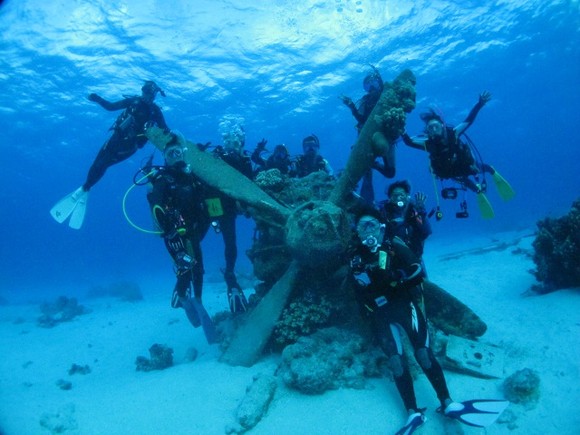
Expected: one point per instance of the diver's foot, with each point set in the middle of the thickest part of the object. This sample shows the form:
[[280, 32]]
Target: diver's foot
[[451, 409], [413, 422], [481, 187]]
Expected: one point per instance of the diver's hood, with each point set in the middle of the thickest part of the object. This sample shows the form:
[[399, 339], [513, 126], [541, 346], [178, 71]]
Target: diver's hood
[[150, 87]]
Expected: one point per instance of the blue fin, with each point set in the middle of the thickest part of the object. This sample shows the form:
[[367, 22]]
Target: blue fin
[[477, 413], [191, 312], [206, 322], [413, 422]]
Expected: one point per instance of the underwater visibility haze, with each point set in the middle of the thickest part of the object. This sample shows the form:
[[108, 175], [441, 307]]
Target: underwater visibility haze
[[281, 66]]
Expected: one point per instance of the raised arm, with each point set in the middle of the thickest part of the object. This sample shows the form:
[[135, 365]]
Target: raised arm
[[417, 142], [107, 105], [347, 101], [484, 97], [257, 154]]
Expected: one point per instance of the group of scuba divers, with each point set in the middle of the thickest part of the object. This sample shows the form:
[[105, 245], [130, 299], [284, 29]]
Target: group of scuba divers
[[386, 260]]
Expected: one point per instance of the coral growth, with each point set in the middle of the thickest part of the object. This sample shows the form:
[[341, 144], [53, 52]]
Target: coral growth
[[557, 251], [64, 385], [271, 180], [78, 369], [161, 358], [302, 317], [523, 387], [329, 359], [254, 404], [62, 310]]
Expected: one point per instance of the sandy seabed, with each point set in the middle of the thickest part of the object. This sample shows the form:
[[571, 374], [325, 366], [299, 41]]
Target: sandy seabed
[[541, 333]]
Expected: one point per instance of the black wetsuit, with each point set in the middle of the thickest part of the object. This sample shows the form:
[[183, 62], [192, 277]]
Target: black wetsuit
[[284, 165], [393, 295], [413, 227], [128, 133], [361, 113], [306, 166], [177, 203], [452, 158], [365, 106], [227, 222]]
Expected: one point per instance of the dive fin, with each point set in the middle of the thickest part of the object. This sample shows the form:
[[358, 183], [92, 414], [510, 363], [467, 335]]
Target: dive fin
[[505, 190], [477, 413], [190, 312], [413, 422], [78, 214], [64, 208], [206, 322], [485, 207]]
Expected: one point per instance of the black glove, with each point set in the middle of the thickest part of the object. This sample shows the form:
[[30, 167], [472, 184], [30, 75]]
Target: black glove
[[94, 98], [261, 145], [174, 241], [420, 199], [148, 125], [203, 146], [346, 100], [484, 97]]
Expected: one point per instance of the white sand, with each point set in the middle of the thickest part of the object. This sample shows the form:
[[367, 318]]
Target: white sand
[[200, 397]]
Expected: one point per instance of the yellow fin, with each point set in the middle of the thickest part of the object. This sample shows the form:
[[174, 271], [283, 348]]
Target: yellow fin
[[503, 187], [485, 206]]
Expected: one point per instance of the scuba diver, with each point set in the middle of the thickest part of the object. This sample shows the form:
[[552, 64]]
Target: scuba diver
[[179, 210], [389, 288], [452, 158], [311, 161], [225, 209], [126, 138], [373, 86], [406, 217], [278, 159]]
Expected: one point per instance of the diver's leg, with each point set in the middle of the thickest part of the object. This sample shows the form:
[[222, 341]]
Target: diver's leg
[[197, 271], [228, 229], [115, 150], [390, 342], [418, 332]]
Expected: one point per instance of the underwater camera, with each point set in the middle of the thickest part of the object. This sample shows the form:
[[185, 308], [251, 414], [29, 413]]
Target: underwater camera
[[449, 193], [463, 213], [437, 212]]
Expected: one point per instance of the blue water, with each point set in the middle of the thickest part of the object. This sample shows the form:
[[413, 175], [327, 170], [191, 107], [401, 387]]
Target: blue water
[[280, 65]]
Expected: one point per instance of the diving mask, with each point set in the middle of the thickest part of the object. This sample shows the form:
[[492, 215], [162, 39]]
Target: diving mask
[[370, 231], [434, 128], [174, 155]]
